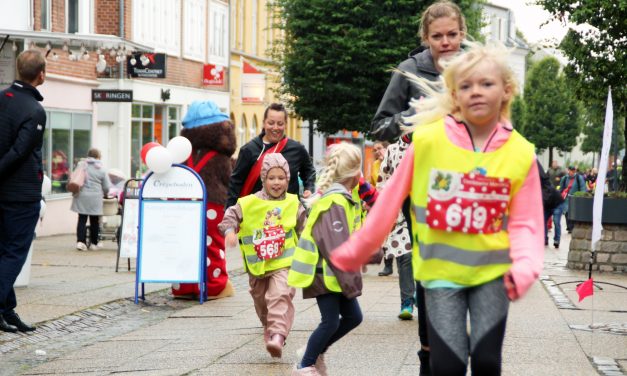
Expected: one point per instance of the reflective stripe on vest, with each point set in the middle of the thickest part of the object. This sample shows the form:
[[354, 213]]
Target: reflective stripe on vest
[[255, 212], [306, 257], [466, 259]]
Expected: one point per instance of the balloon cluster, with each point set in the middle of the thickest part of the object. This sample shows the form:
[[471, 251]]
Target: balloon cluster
[[159, 159]]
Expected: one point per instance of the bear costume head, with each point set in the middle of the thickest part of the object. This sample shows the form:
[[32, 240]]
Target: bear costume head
[[207, 128]]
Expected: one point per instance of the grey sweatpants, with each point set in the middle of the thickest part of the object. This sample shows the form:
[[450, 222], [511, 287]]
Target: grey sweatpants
[[450, 341]]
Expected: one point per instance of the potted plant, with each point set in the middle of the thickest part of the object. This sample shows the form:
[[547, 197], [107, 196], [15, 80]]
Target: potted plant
[[614, 207]]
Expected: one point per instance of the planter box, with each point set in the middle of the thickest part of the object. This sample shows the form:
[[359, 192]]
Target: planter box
[[614, 210]]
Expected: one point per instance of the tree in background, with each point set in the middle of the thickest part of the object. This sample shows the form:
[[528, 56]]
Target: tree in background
[[518, 114], [336, 56], [594, 121], [597, 53], [551, 114]]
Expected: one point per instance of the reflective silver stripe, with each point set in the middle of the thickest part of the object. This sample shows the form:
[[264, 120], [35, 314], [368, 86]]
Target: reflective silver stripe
[[302, 268], [247, 240], [461, 256], [253, 259], [421, 216], [307, 245], [329, 272]]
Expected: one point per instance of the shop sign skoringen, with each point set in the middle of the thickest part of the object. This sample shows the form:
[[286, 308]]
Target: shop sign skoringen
[[111, 95]]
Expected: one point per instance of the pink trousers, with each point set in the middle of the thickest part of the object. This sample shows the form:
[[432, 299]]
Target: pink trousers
[[273, 302]]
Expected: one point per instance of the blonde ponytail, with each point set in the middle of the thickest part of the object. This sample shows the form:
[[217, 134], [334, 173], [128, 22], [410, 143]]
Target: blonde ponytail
[[341, 163]]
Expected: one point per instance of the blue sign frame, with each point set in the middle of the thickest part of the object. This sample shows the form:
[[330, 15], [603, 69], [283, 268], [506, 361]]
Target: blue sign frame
[[202, 259]]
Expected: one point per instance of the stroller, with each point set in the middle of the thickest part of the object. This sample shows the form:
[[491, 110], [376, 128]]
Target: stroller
[[111, 211]]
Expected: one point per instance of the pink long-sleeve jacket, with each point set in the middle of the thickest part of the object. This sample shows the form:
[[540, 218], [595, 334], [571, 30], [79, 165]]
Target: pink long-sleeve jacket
[[525, 227]]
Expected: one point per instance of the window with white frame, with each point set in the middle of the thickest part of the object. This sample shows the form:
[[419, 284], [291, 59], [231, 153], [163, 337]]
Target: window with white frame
[[232, 23], [66, 140], [157, 23], [16, 15], [79, 16], [254, 25], [194, 34], [218, 33], [241, 23], [45, 12]]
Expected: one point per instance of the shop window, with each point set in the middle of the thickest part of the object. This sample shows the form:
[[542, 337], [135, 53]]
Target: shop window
[[151, 123], [174, 121], [66, 140]]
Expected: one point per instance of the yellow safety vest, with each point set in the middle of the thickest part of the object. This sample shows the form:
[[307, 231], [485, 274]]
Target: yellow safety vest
[[307, 258], [255, 211], [462, 258], [360, 213]]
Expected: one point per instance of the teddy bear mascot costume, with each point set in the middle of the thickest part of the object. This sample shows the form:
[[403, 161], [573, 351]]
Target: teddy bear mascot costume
[[213, 142]]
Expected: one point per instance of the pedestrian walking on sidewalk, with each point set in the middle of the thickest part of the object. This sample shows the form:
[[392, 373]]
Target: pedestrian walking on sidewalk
[[22, 126], [442, 31], [332, 219], [88, 202], [475, 193], [267, 224]]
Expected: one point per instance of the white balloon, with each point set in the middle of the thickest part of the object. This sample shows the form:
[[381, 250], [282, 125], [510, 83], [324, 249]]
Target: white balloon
[[181, 148], [159, 159]]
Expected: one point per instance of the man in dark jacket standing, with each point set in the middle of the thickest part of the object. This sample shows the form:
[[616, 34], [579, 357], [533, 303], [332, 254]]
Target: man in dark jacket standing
[[272, 139], [22, 125]]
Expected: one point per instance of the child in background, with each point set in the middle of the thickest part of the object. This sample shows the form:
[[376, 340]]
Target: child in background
[[476, 211], [267, 224], [332, 219]]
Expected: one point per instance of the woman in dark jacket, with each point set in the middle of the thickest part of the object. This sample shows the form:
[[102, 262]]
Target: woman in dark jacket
[[271, 139]]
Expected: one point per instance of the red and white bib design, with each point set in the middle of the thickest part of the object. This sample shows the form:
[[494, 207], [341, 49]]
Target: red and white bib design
[[469, 203], [269, 242]]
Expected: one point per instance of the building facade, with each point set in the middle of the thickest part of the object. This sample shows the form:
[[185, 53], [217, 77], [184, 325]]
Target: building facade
[[148, 58], [254, 75]]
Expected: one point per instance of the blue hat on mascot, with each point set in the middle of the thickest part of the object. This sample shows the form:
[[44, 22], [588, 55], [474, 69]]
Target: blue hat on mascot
[[202, 113]]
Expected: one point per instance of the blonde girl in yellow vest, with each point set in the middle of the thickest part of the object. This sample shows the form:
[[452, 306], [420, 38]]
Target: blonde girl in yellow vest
[[477, 219], [334, 216], [267, 225]]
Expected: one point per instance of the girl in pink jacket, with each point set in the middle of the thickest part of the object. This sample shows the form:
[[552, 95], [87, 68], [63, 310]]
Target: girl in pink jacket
[[476, 211]]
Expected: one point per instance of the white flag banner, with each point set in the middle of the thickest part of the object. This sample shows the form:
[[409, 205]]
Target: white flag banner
[[597, 206]]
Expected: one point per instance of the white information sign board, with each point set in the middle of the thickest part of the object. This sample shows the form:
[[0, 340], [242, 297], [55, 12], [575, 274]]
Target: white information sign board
[[171, 237]]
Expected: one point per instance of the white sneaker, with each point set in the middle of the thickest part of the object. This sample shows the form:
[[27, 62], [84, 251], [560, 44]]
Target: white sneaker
[[81, 246], [95, 247]]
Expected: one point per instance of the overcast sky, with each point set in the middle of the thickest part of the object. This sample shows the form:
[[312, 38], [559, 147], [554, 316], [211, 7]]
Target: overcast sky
[[530, 17]]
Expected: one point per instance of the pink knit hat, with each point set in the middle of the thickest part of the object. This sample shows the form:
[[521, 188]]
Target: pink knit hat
[[273, 160]]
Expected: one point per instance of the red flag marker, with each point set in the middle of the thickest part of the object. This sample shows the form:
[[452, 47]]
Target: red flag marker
[[585, 289]]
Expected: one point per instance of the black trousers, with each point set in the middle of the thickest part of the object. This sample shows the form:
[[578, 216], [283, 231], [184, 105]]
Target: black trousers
[[81, 228], [17, 229]]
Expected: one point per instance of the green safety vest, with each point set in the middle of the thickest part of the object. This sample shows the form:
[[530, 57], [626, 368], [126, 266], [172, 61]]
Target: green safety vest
[[255, 213], [463, 258], [306, 258]]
